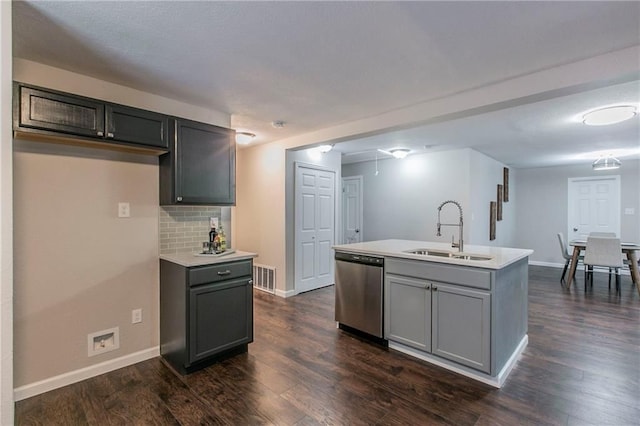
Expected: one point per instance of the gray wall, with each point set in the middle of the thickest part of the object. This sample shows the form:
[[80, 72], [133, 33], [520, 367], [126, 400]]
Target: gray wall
[[402, 201], [329, 161], [542, 205]]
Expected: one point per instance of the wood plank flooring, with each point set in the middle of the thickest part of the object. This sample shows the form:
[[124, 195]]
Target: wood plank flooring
[[582, 367]]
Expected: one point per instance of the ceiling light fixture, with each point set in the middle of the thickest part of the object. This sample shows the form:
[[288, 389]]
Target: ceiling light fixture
[[398, 153], [325, 148], [606, 163], [244, 138], [609, 115]]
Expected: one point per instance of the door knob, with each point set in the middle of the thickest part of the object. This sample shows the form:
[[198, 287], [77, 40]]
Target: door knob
[[357, 230], [575, 229]]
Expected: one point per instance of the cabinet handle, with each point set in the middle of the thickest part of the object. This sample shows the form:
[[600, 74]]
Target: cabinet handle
[[178, 199], [100, 133], [109, 135], [250, 282], [227, 272]]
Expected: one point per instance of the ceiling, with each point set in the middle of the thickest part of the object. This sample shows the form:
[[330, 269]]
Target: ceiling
[[319, 64]]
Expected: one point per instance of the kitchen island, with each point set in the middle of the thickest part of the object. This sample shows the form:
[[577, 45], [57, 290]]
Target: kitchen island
[[466, 312]]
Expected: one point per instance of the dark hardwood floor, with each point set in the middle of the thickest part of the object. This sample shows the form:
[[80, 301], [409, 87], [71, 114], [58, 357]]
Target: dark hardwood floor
[[582, 367]]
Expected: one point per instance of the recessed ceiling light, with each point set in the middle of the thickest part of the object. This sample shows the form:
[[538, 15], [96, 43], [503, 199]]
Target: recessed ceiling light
[[244, 138], [609, 115]]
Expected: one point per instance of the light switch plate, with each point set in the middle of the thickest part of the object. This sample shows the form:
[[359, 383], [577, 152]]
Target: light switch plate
[[629, 210]]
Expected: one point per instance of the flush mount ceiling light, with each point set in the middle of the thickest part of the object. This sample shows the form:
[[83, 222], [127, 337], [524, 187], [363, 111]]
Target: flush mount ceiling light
[[244, 138], [606, 163], [325, 148], [609, 115], [399, 153]]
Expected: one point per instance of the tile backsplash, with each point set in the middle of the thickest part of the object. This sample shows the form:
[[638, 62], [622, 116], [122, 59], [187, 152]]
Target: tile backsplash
[[184, 228]]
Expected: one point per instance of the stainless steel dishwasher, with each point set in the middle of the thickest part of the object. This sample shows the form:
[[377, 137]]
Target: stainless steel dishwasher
[[359, 292]]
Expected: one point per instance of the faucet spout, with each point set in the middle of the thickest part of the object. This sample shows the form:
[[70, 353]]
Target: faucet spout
[[460, 244]]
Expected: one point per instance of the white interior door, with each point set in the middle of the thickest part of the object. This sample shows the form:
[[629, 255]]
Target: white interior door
[[315, 228], [594, 206], [352, 209]]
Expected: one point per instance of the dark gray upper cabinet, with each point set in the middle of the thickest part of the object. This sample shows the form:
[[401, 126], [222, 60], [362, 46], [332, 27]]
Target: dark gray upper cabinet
[[49, 112], [45, 110], [138, 126], [200, 167]]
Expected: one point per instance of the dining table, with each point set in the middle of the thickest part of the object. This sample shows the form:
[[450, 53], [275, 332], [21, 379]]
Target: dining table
[[628, 248]]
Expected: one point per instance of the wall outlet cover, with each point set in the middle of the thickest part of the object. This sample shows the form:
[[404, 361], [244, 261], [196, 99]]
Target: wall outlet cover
[[124, 209], [136, 316], [103, 341], [213, 222]]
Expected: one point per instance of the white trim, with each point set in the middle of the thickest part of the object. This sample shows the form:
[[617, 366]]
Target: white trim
[[285, 293], [33, 389], [495, 381]]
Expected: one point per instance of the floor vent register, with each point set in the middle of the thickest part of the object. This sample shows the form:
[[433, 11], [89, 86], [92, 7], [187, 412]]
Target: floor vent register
[[264, 278]]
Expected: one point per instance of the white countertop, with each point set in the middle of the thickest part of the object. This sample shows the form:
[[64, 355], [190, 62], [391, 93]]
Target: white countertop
[[190, 259], [500, 256]]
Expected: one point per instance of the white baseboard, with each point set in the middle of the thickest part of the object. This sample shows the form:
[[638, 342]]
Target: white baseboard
[[495, 381], [285, 294], [33, 389]]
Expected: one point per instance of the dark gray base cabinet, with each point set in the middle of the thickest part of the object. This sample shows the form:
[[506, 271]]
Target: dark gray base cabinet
[[52, 113], [200, 167], [206, 312]]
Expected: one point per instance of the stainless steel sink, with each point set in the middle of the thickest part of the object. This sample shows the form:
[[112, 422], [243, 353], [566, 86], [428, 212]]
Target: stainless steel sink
[[426, 252], [442, 253], [471, 256]]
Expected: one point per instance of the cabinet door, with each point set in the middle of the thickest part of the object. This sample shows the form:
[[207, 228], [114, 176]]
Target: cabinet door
[[205, 168], [461, 325], [40, 109], [133, 125], [220, 317], [408, 311]]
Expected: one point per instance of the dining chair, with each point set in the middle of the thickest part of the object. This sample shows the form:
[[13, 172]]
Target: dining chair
[[603, 252], [566, 255]]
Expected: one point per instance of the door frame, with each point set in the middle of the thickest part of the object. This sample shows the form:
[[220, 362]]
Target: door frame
[[336, 224], [570, 208], [360, 207]]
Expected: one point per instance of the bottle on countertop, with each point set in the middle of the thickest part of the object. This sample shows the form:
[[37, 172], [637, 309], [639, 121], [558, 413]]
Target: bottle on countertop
[[223, 240], [212, 240], [216, 243]]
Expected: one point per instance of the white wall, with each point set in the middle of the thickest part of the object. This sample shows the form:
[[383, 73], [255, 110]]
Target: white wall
[[486, 173], [6, 219], [402, 201], [542, 205]]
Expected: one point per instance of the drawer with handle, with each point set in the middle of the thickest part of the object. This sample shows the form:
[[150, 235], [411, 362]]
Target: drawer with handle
[[219, 272]]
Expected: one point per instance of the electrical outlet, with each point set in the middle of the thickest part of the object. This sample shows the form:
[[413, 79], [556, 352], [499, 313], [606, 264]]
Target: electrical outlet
[[136, 316], [213, 222], [124, 210]]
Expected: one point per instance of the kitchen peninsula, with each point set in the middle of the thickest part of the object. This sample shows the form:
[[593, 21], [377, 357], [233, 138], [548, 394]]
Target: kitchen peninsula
[[466, 312]]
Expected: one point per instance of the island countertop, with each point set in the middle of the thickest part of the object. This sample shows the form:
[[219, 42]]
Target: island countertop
[[500, 256]]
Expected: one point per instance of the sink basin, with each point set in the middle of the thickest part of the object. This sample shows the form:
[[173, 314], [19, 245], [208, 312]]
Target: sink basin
[[442, 253], [464, 256], [427, 252]]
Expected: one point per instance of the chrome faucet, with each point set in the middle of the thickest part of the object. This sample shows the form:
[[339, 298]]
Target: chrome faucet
[[460, 244]]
